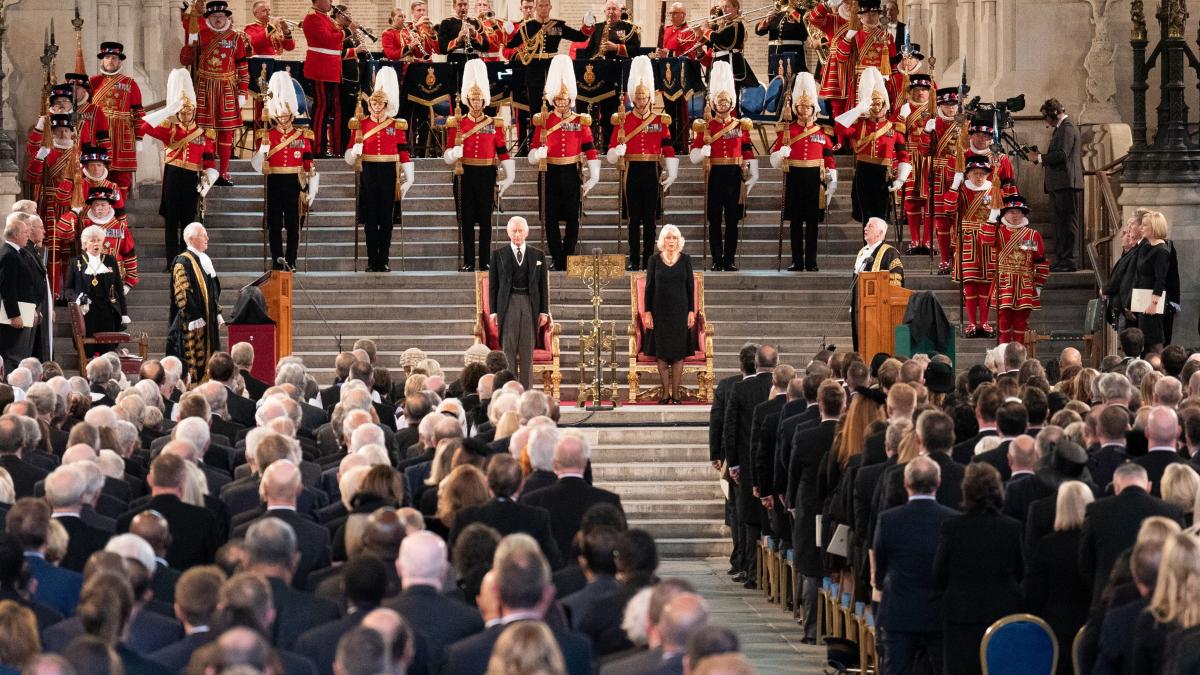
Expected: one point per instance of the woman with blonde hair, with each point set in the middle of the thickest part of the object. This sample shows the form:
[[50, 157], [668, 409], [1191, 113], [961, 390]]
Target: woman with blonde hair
[[526, 648], [508, 424], [1054, 589], [1151, 269], [465, 486], [19, 627], [1181, 487], [1172, 604], [1083, 385]]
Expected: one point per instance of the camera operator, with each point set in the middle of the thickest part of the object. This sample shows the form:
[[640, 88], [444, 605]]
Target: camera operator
[[1063, 181]]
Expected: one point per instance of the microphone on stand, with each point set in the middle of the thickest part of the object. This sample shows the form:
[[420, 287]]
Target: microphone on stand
[[337, 338]]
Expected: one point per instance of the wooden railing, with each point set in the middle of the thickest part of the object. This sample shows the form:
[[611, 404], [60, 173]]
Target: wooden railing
[[1105, 217]]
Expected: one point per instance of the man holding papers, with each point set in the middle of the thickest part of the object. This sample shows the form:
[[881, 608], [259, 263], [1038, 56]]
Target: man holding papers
[[18, 293]]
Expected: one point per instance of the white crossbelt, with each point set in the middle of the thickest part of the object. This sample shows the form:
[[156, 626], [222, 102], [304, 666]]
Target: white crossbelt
[[320, 50]]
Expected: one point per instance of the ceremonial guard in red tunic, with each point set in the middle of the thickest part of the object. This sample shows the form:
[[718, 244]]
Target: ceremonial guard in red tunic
[[910, 120], [267, 37], [640, 139], [323, 67], [833, 18], [723, 144], [118, 239], [905, 64], [804, 152], [91, 121], [222, 78], [94, 173], [947, 149], [877, 145], [380, 145], [120, 100], [980, 143], [189, 171], [89, 129], [561, 138], [871, 46], [1021, 270], [475, 142], [978, 209], [285, 155], [48, 164]]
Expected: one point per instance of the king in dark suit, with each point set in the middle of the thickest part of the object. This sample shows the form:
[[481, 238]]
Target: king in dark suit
[[518, 297]]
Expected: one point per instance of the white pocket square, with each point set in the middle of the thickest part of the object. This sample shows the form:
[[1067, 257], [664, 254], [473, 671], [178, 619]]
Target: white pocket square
[[539, 262]]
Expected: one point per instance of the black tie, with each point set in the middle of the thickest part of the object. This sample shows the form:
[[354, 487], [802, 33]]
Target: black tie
[[520, 258]]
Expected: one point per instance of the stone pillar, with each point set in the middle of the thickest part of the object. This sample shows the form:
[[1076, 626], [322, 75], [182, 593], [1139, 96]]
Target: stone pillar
[[1180, 204], [940, 37]]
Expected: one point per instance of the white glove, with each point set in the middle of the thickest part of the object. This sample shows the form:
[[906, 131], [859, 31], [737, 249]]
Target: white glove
[[139, 145], [896, 185], [313, 184], [1038, 289], [930, 125], [220, 320], [257, 161], [849, 117], [84, 307], [696, 155], [753, 176], [958, 178], [616, 152], [834, 4], [589, 19], [831, 185], [410, 175], [41, 123], [211, 175], [903, 171], [993, 215], [706, 150], [196, 325], [264, 148], [128, 288], [450, 156], [125, 320], [352, 153], [510, 174], [593, 166], [778, 157], [42, 153], [241, 100], [538, 154], [850, 34], [672, 172], [509, 27], [77, 209]]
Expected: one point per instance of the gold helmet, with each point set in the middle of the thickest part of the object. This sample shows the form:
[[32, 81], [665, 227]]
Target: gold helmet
[[804, 92]]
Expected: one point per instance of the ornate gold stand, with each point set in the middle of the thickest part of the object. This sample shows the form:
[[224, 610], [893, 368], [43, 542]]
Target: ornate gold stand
[[597, 271]]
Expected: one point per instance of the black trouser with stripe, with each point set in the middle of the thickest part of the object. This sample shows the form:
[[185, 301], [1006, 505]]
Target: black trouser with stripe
[[474, 192], [724, 203], [283, 212], [641, 195], [802, 208], [376, 203], [560, 197]]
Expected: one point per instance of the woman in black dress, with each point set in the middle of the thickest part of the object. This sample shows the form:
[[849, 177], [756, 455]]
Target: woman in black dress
[[670, 311], [94, 281], [1151, 267]]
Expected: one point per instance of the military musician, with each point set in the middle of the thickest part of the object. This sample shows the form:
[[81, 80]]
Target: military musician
[[461, 37], [269, 36], [323, 67]]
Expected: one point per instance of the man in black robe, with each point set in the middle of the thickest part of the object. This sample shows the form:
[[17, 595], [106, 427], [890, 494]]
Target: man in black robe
[[195, 329], [875, 256]]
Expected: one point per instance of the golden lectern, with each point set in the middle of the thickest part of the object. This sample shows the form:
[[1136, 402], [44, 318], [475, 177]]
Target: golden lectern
[[881, 308]]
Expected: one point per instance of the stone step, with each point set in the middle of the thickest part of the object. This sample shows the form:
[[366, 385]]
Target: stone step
[[651, 452], [692, 549], [678, 471], [647, 437], [642, 509], [682, 528], [677, 488]]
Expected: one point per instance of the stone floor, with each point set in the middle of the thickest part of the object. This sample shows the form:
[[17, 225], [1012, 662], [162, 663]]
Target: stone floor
[[770, 638]]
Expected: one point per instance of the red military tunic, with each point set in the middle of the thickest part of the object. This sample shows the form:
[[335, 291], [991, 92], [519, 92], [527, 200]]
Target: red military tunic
[[565, 138], [897, 87], [811, 147], [835, 80], [683, 42], [323, 60], [876, 141], [290, 152], [495, 39], [42, 181], [645, 138], [188, 147], [947, 144], [383, 141], [910, 120], [975, 257], [866, 48], [393, 44], [1021, 267], [482, 139], [1002, 170], [223, 74], [120, 101], [92, 129], [729, 139], [66, 189], [267, 40]]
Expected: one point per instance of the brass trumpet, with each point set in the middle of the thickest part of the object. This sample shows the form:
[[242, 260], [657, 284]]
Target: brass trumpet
[[282, 23], [750, 15], [360, 31]]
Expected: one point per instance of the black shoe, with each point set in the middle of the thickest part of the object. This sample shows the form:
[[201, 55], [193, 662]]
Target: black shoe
[[369, 268], [483, 267], [731, 571], [467, 268], [740, 578], [629, 266], [812, 268], [716, 268], [795, 267], [385, 268], [1064, 266], [808, 641], [731, 268], [223, 181], [750, 585], [664, 401]]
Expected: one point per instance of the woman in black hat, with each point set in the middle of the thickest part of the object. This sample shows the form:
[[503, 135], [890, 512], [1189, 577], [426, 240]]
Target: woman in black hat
[[94, 282]]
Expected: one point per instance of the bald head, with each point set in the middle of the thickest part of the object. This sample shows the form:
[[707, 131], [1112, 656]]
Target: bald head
[[384, 532], [80, 452], [280, 483], [422, 560], [685, 614], [1023, 453], [571, 453], [152, 526], [1162, 427]]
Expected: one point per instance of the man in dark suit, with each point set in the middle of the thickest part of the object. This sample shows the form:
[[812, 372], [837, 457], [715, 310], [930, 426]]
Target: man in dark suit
[[1162, 432], [809, 416], [241, 409], [505, 515], [153, 527], [716, 445], [242, 354], [906, 539], [280, 488], [1112, 523], [271, 551], [682, 615], [738, 432], [764, 425], [807, 449], [18, 284], [329, 397], [27, 523], [1011, 421], [599, 568], [935, 438], [1063, 181], [765, 453], [195, 606], [196, 532], [521, 591], [422, 566], [64, 492], [12, 439], [364, 579], [569, 498], [518, 297], [988, 400], [1111, 424]]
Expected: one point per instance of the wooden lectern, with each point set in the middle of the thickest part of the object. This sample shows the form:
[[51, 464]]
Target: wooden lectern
[[276, 287], [881, 308]]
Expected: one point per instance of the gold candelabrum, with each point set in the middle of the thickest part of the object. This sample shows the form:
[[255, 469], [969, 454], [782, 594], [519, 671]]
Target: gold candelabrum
[[597, 271]]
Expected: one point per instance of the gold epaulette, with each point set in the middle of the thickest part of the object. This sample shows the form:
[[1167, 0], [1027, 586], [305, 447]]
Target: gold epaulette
[[401, 124], [698, 126], [498, 122], [747, 124], [309, 134], [539, 119], [211, 133], [451, 122], [167, 123], [666, 119], [585, 119]]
